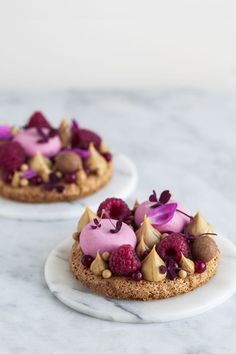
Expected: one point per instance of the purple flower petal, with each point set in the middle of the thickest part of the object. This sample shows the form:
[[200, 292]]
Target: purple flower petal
[[29, 174], [5, 132], [81, 152], [162, 214], [153, 197]]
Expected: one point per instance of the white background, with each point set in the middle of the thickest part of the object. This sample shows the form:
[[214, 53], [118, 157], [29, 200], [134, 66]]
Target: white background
[[50, 44]]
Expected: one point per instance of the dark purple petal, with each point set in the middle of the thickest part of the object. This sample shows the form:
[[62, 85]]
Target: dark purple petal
[[164, 197], [75, 125], [153, 197], [5, 132], [156, 205], [96, 222], [162, 214], [117, 228], [53, 132]]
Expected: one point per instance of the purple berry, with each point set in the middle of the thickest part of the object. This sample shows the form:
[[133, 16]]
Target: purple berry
[[53, 178], [145, 254], [36, 180], [48, 187], [87, 260], [200, 266], [137, 276], [60, 188], [8, 177], [70, 178], [162, 269]]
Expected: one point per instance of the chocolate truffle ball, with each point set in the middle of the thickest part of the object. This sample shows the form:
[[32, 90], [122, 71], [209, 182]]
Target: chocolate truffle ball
[[204, 248], [68, 162]]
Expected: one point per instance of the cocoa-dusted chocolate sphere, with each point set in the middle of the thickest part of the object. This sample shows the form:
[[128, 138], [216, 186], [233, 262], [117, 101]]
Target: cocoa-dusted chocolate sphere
[[204, 248], [68, 162]]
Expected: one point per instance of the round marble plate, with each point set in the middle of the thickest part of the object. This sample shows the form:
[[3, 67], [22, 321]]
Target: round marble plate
[[122, 184], [71, 292]]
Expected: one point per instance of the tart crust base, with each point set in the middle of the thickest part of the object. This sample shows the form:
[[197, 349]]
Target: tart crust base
[[36, 194], [125, 288]]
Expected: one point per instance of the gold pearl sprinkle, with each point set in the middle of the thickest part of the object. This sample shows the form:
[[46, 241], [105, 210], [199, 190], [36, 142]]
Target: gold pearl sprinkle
[[182, 274], [24, 167], [59, 174], [24, 182], [105, 256], [106, 274]]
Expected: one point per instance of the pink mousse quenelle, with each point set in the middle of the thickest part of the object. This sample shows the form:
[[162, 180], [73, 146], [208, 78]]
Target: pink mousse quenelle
[[101, 238], [29, 140]]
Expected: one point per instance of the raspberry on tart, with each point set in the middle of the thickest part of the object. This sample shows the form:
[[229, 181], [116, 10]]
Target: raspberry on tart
[[12, 156], [114, 208], [114, 260], [173, 246], [38, 120], [83, 137], [124, 261]]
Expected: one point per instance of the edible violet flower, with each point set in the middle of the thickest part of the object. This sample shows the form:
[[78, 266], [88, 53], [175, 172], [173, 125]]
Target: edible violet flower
[[29, 174], [5, 132], [162, 214]]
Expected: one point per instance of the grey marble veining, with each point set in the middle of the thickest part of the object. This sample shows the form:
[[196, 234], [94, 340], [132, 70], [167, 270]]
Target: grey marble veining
[[183, 140]]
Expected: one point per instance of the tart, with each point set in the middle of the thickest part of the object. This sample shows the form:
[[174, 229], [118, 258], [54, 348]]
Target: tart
[[41, 163], [155, 250]]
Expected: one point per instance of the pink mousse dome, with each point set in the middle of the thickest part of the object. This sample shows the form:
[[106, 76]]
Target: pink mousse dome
[[176, 224], [101, 239], [28, 139]]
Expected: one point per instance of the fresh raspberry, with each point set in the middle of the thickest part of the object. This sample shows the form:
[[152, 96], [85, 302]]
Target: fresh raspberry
[[38, 120], [172, 246], [83, 137], [115, 208], [12, 155], [124, 261]]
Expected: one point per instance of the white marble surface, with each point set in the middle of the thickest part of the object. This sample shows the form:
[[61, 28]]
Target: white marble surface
[[63, 284], [184, 140]]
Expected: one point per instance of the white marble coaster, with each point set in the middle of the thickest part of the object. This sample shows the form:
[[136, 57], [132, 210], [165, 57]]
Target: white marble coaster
[[122, 184], [71, 292]]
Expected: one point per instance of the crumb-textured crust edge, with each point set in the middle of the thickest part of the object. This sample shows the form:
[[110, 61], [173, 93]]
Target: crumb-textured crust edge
[[36, 194], [124, 288]]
